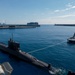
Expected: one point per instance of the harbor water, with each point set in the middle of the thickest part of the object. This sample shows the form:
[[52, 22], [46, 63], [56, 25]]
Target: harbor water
[[47, 43]]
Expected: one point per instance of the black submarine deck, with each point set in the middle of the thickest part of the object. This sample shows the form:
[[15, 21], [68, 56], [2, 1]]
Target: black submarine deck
[[11, 49]]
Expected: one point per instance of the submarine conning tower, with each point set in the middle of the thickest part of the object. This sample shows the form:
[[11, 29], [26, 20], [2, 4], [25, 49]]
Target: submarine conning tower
[[13, 45]]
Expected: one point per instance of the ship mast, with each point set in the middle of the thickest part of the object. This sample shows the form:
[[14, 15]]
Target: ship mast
[[12, 36], [11, 39]]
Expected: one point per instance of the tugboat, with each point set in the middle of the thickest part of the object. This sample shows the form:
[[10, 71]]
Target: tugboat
[[71, 39], [13, 48]]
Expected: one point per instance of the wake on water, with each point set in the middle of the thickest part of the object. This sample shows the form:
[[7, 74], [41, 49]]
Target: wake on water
[[53, 71], [45, 47], [58, 71]]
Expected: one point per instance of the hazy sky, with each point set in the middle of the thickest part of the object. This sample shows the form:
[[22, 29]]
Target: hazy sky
[[42, 11]]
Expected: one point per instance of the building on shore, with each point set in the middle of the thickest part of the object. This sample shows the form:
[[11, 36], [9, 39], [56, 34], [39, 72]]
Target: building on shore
[[14, 26]]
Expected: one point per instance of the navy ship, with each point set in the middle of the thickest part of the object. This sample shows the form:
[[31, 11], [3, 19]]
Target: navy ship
[[71, 39], [13, 48]]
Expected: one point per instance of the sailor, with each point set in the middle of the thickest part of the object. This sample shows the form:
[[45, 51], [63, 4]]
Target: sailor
[[11, 40], [49, 66]]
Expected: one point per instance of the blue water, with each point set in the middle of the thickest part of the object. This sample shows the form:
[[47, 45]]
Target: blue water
[[53, 41]]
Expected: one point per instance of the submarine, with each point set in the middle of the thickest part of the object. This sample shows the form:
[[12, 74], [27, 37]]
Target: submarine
[[13, 48]]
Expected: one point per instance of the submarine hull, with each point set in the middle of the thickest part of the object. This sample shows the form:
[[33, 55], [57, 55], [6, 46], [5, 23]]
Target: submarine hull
[[24, 56]]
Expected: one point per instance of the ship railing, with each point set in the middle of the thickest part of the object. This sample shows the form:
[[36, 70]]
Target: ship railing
[[3, 44], [7, 68]]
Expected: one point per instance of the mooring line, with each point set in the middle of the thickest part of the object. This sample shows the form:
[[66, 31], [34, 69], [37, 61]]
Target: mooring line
[[45, 47]]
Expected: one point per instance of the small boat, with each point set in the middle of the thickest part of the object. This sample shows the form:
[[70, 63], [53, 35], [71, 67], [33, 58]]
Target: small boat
[[71, 39], [5, 69]]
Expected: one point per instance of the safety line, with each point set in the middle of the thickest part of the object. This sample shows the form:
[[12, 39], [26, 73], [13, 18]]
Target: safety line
[[45, 47]]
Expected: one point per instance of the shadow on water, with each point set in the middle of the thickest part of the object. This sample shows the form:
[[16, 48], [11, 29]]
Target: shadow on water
[[70, 44]]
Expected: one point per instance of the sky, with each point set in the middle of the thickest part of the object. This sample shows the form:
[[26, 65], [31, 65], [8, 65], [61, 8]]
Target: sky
[[41, 11]]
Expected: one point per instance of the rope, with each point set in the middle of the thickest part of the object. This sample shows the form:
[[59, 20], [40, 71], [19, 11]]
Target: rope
[[45, 47]]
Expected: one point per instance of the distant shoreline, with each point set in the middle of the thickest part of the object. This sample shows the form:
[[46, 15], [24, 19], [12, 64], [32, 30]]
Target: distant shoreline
[[64, 24], [19, 26]]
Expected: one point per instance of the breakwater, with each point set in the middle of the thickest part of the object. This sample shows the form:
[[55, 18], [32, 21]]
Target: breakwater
[[64, 24], [18, 26]]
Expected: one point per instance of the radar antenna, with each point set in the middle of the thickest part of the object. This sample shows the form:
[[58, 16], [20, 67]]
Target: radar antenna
[[11, 39]]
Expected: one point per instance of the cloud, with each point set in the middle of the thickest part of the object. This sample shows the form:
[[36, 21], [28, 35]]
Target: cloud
[[47, 8], [65, 16], [69, 7], [56, 20], [57, 11], [60, 15], [73, 6], [68, 18]]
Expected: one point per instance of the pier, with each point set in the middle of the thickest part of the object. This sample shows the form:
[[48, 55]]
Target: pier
[[19, 26]]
